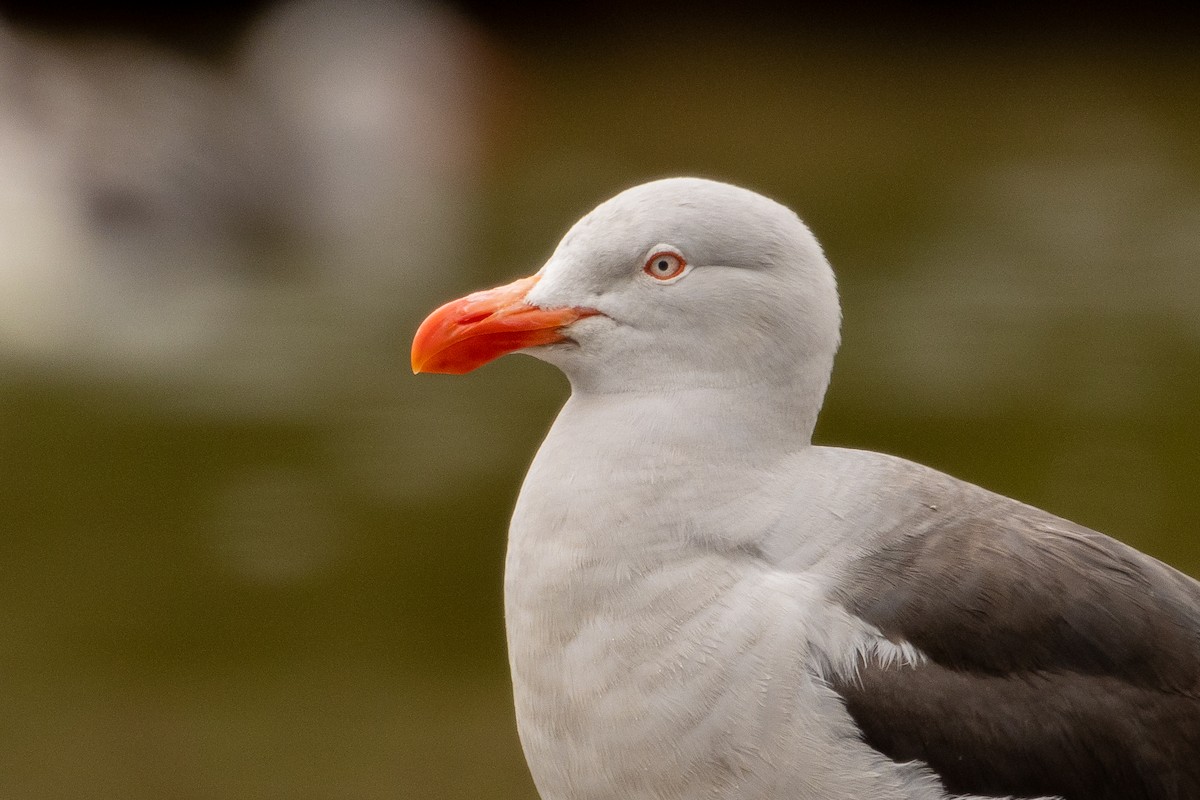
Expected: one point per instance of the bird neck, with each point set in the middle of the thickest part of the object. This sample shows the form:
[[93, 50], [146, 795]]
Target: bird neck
[[727, 425], [617, 469]]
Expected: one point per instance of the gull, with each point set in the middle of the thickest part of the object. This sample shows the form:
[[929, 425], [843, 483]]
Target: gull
[[700, 603]]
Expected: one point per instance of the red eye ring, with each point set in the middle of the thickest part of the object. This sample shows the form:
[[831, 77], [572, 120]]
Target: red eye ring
[[665, 265]]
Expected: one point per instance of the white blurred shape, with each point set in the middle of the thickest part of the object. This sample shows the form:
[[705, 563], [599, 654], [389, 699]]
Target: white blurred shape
[[237, 240], [128, 178], [383, 105]]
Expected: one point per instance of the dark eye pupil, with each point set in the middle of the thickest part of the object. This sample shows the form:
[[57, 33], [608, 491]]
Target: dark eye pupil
[[664, 265]]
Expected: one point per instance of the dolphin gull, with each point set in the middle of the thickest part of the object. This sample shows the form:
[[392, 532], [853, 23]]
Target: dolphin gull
[[701, 603]]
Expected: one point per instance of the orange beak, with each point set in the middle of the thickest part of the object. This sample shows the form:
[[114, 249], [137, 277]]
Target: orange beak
[[481, 327]]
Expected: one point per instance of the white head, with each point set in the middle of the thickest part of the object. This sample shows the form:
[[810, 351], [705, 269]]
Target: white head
[[672, 285]]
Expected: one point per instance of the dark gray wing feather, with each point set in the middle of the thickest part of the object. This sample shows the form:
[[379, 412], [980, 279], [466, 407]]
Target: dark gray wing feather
[[1060, 661]]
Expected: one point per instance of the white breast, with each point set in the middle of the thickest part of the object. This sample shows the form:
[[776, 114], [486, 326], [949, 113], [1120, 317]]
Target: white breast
[[657, 649]]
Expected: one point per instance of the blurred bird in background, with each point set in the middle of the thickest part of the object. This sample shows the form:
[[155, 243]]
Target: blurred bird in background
[[176, 221]]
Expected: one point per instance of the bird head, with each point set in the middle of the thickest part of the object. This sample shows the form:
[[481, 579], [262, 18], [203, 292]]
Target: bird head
[[674, 284]]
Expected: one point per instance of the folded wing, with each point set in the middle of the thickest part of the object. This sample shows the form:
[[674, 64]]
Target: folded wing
[[1058, 660]]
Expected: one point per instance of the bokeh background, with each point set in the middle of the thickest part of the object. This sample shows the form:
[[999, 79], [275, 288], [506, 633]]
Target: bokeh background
[[245, 553]]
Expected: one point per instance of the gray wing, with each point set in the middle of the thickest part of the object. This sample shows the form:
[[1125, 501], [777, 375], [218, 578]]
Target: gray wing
[[1060, 661]]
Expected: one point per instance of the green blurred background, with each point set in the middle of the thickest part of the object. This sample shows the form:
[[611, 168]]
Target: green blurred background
[[246, 554]]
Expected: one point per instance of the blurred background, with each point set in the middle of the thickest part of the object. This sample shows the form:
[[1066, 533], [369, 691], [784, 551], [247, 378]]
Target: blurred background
[[245, 553]]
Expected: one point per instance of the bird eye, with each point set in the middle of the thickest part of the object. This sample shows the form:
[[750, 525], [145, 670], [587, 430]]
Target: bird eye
[[665, 265]]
